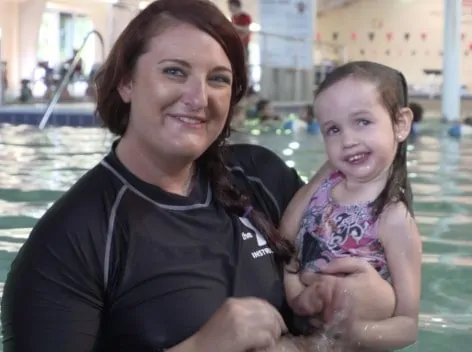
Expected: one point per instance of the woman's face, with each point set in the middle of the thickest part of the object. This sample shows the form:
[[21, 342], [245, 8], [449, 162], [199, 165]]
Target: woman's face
[[179, 94]]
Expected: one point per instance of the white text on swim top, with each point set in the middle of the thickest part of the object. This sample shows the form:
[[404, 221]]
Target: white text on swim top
[[261, 241], [246, 235]]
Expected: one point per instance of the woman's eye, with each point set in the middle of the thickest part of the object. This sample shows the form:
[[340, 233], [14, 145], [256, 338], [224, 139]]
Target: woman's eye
[[221, 79], [174, 71]]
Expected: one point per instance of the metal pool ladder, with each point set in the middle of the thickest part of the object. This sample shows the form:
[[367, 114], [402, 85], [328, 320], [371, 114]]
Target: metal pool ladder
[[65, 81]]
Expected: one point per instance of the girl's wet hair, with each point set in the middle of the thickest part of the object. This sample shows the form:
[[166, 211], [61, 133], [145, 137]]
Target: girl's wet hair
[[121, 63], [393, 92]]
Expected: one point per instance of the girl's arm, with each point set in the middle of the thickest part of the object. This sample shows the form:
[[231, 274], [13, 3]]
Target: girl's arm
[[290, 225], [292, 216], [401, 239]]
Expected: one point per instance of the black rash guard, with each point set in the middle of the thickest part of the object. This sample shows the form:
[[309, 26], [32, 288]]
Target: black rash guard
[[117, 264]]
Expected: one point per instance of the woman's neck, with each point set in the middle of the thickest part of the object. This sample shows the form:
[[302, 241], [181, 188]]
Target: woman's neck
[[170, 174]]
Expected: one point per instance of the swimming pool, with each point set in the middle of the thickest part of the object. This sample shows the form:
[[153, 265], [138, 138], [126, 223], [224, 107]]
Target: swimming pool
[[36, 167]]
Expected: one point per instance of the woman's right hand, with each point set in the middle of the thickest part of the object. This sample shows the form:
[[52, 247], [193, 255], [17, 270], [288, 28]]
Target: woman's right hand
[[350, 286], [240, 325]]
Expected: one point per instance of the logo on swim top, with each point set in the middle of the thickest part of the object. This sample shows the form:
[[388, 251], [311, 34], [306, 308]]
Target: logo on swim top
[[260, 240]]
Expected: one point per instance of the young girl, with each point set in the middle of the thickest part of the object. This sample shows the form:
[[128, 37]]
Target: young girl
[[362, 205]]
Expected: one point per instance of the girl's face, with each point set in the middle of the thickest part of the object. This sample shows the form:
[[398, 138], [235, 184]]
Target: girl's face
[[360, 139]]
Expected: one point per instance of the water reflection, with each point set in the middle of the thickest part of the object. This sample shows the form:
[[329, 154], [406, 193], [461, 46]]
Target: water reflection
[[446, 324], [53, 160]]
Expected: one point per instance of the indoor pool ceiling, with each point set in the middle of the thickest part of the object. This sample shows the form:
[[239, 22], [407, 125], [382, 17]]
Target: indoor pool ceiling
[[250, 6]]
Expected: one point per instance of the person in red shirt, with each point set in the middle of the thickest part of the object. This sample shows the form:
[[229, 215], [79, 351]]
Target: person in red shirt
[[241, 20]]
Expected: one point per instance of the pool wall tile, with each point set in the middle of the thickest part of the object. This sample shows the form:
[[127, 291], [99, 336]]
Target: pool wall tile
[[73, 119]]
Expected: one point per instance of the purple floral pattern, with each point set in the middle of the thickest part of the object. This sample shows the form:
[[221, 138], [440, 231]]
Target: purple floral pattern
[[329, 230]]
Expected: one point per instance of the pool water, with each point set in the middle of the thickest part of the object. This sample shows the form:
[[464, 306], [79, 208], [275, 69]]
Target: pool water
[[37, 167]]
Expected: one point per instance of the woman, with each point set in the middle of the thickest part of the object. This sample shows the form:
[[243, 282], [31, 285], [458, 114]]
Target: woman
[[168, 242]]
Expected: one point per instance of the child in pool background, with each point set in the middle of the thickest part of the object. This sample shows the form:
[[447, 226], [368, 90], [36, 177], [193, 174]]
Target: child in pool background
[[265, 111], [252, 97], [418, 112], [363, 205], [308, 114]]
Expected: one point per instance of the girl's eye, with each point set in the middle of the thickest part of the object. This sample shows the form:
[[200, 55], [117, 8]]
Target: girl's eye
[[332, 130]]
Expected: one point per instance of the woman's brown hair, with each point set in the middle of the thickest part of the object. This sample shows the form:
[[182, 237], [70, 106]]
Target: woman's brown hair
[[121, 63]]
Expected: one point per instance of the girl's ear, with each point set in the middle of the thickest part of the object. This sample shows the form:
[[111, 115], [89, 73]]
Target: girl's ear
[[403, 124]]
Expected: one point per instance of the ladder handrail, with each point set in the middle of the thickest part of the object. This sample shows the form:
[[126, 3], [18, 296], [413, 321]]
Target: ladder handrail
[[65, 81]]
